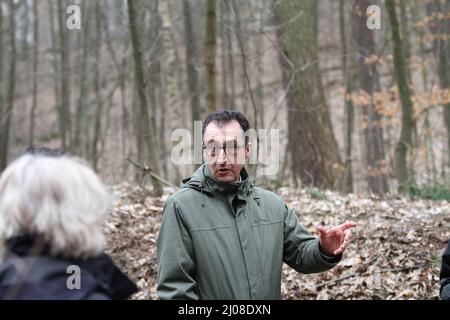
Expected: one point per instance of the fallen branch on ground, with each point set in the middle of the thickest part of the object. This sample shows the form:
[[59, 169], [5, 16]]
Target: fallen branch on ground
[[147, 170]]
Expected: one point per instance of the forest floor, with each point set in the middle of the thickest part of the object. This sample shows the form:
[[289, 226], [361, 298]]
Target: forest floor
[[395, 252]]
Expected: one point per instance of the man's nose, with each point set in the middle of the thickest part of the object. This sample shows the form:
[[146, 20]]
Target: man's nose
[[221, 157]]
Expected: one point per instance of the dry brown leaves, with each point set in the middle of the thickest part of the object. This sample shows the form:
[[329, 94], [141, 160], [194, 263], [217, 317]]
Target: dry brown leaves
[[395, 252]]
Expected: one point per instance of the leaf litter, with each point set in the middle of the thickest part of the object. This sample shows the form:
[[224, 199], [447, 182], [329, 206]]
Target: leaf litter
[[395, 251]]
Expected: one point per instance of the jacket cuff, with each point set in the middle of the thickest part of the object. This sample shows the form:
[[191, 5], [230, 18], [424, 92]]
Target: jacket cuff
[[329, 259]]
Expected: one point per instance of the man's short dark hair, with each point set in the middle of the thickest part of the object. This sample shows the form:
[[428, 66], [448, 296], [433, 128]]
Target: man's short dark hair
[[224, 117]]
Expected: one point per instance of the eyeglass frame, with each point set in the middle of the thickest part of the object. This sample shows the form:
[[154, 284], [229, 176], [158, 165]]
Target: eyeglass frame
[[224, 148]]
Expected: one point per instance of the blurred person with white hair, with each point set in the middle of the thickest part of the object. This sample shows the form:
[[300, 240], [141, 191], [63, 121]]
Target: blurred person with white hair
[[51, 245]]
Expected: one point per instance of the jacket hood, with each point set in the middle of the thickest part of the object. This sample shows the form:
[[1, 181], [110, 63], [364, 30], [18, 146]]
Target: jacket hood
[[203, 180]]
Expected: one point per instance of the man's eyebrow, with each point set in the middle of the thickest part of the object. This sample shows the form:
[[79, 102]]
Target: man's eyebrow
[[234, 139]]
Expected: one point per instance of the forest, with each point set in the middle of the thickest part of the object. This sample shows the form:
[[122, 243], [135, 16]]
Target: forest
[[356, 92]]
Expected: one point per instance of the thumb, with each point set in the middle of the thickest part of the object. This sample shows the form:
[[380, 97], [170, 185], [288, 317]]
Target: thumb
[[322, 231]]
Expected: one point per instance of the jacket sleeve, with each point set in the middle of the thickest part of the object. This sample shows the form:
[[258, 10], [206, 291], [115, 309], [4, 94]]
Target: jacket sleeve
[[176, 263], [301, 250], [445, 274]]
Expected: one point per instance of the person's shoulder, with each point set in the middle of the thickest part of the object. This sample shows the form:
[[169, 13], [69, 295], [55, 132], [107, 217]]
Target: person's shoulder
[[181, 195], [269, 196]]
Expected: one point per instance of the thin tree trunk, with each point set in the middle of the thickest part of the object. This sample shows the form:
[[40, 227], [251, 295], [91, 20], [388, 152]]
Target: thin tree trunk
[[121, 65], [431, 162], [405, 35], [155, 69], [83, 110], [247, 81], [35, 71], [347, 76], [404, 144], [25, 31], [2, 83], [142, 93], [259, 91], [223, 52], [124, 116], [55, 60], [170, 75], [97, 87], [210, 56], [230, 62], [65, 77], [369, 83], [191, 62], [138, 126], [6, 119], [404, 31], [162, 132]]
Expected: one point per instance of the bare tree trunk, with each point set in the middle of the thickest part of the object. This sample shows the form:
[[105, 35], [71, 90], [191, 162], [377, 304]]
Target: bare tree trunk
[[210, 56], [247, 81], [7, 115], [442, 52], [156, 90], [191, 61], [170, 74], [405, 35], [121, 66], [315, 154], [369, 83], [430, 158], [162, 131], [82, 113], [404, 31], [347, 76], [223, 52], [230, 60], [259, 91], [2, 82], [26, 28], [403, 146], [55, 60], [138, 125], [97, 88], [65, 77], [142, 93], [35, 71]]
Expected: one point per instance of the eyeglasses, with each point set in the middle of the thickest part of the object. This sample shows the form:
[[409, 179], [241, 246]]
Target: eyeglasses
[[231, 148]]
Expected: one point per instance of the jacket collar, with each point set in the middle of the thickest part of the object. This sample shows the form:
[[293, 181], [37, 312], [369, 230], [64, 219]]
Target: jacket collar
[[203, 180]]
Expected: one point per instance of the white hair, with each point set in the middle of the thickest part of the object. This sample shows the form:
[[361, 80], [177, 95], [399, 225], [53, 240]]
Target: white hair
[[60, 198]]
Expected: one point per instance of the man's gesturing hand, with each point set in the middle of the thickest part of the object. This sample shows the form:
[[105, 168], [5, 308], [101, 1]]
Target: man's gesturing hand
[[334, 241]]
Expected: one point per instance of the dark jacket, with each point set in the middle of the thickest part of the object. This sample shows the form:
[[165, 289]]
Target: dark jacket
[[229, 241], [30, 277], [445, 274]]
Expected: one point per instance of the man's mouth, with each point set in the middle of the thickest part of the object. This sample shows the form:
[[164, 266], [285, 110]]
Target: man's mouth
[[223, 171]]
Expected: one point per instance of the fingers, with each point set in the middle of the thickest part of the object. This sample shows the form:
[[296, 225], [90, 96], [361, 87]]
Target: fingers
[[348, 224], [322, 231], [347, 235]]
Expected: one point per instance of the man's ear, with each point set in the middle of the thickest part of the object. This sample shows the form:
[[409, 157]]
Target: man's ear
[[248, 147]]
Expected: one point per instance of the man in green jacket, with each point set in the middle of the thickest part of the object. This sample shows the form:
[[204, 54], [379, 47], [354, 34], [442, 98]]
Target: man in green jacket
[[223, 238]]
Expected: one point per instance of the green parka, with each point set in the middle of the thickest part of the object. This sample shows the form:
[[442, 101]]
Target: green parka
[[229, 241]]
